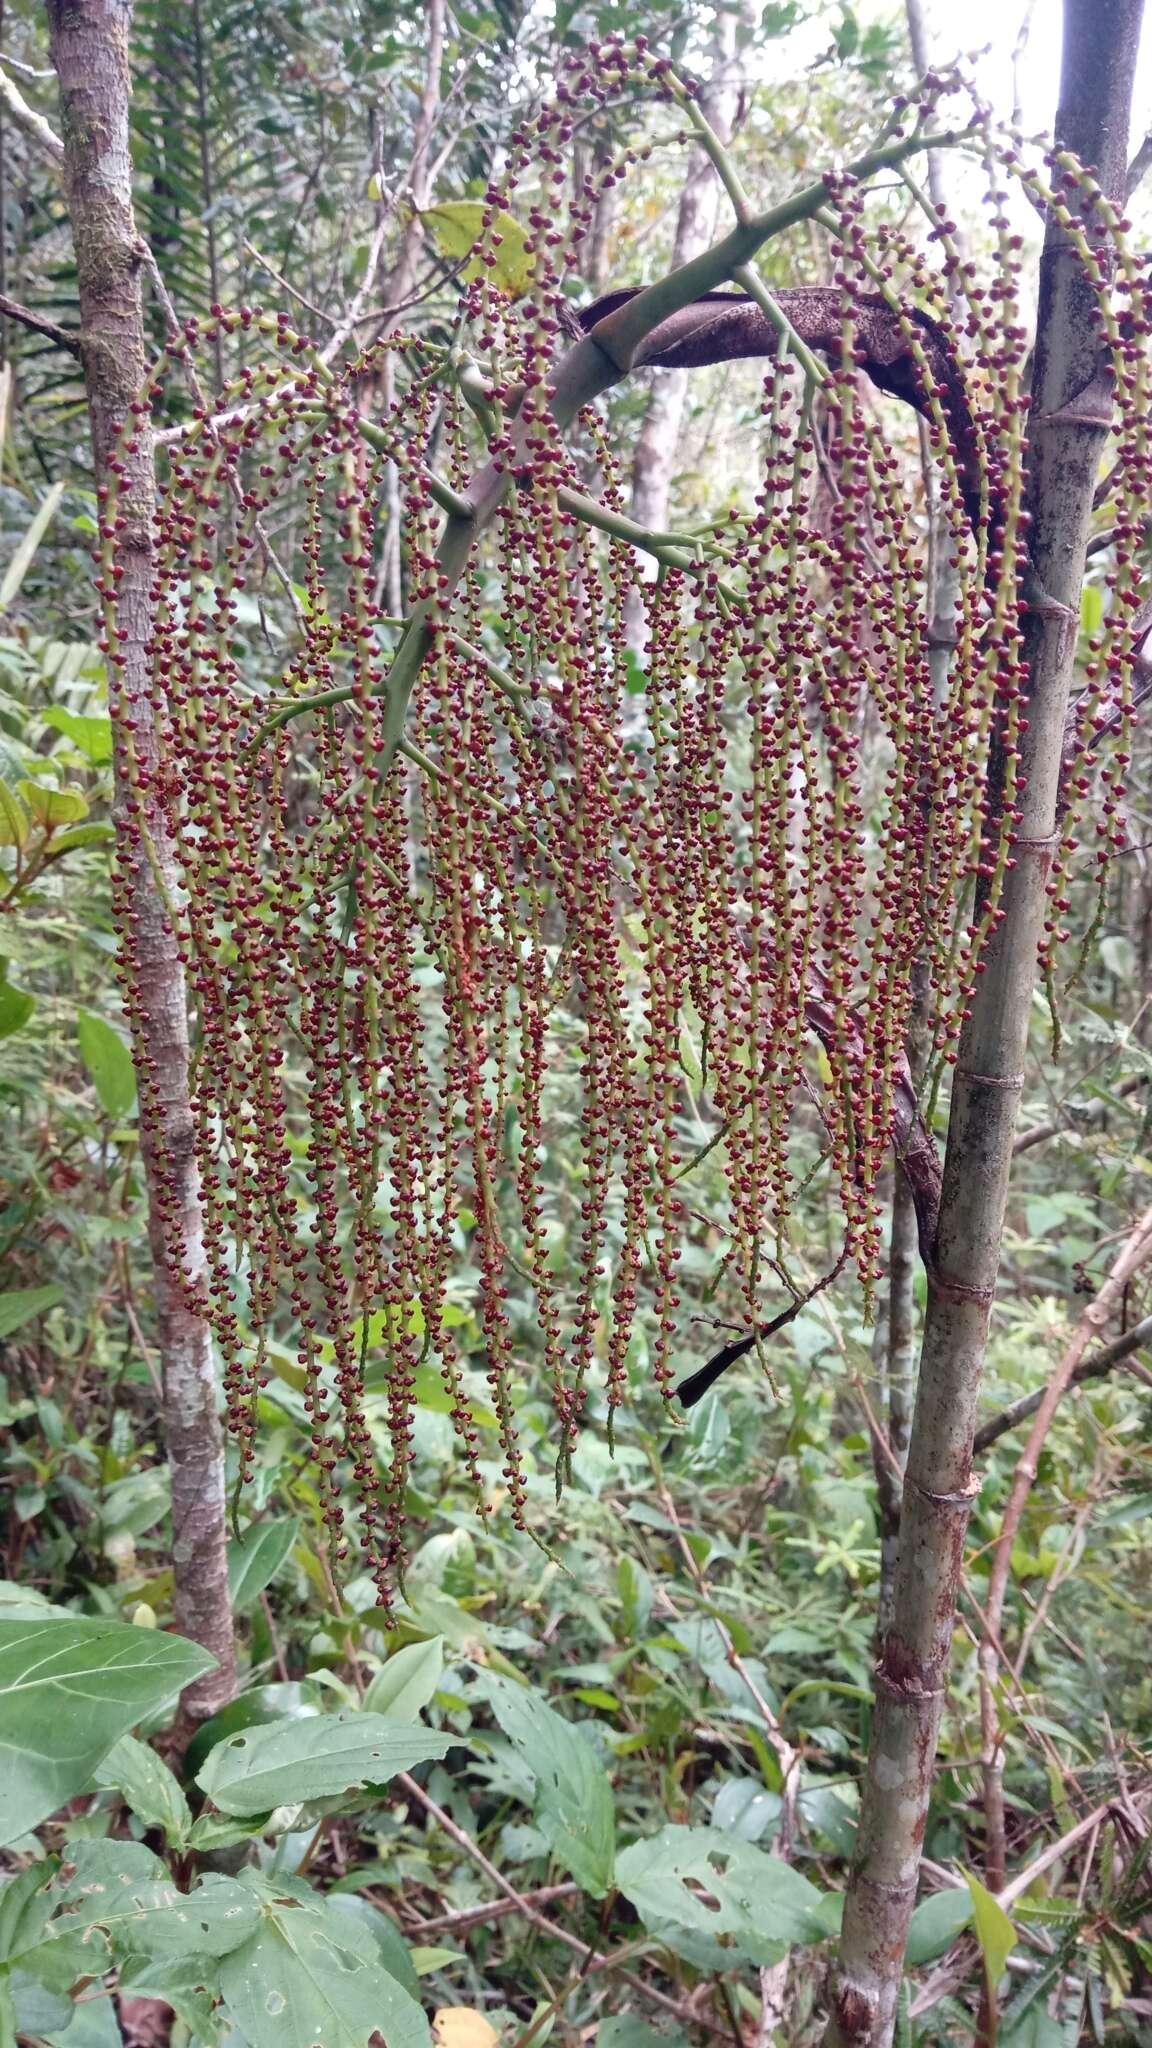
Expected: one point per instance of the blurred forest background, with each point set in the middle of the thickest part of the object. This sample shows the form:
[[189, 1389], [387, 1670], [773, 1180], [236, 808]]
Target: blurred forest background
[[707, 1606]]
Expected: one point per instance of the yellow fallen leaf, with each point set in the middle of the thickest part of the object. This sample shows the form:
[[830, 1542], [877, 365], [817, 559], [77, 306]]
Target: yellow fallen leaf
[[461, 2026]]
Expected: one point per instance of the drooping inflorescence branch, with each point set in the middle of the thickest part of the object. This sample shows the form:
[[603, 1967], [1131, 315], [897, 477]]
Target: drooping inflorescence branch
[[440, 875]]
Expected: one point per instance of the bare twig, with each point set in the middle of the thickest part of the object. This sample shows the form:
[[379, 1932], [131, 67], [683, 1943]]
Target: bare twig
[[1101, 1362], [62, 336], [34, 125]]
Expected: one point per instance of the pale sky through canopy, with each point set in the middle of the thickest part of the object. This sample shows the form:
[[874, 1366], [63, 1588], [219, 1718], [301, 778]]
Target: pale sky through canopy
[[961, 29]]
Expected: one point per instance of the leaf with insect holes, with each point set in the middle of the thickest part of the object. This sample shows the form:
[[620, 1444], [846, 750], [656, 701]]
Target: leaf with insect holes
[[311, 1975], [697, 1881], [286, 1762]]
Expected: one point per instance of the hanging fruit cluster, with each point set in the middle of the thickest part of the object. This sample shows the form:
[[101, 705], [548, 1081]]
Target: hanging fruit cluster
[[401, 943]]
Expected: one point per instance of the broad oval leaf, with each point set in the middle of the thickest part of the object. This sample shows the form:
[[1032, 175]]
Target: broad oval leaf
[[404, 1685], [109, 1063], [15, 823], [16, 1006], [54, 806], [456, 227], [255, 1558], [288, 1762], [68, 1691], [92, 736], [936, 1922]]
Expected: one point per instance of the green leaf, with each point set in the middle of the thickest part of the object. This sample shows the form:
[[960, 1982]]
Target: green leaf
[[994, 1931], [22, 560], [456, 229], [53, 806], [109, 1063], [15, 824], [936, 1923], [1091, 608], [624, 2030], [92, 2025], [92, 735], [82, 835], [313, 1975], [186, 1983], [574, 1806], [255, 1558], [403, 1686], [68, 1691], [758, 1901], [144, 1914], [27, 1902], [16, 1006], [290, 1701], [288, 1762], [19, 1304], [389, 1942], [152, 1791]]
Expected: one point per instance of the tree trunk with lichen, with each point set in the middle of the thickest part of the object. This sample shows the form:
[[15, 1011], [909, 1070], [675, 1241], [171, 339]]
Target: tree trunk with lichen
[[90, 52], [1071, 411]]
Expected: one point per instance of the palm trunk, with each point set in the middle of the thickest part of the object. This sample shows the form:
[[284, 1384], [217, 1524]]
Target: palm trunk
[[90, 53], [1071, 410]]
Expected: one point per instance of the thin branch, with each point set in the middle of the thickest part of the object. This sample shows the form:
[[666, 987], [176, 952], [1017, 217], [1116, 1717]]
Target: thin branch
[[1038, 1134], [34, 125], [63, 337], [519, 1902], [1094, 1368]]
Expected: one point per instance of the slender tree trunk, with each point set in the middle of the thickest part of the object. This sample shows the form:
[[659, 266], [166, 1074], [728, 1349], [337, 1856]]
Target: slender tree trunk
[[90, 53], [1071, 410]]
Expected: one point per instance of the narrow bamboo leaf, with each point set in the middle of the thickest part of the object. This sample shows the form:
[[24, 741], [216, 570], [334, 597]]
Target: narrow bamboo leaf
[[25, 553], [286, 1762]]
